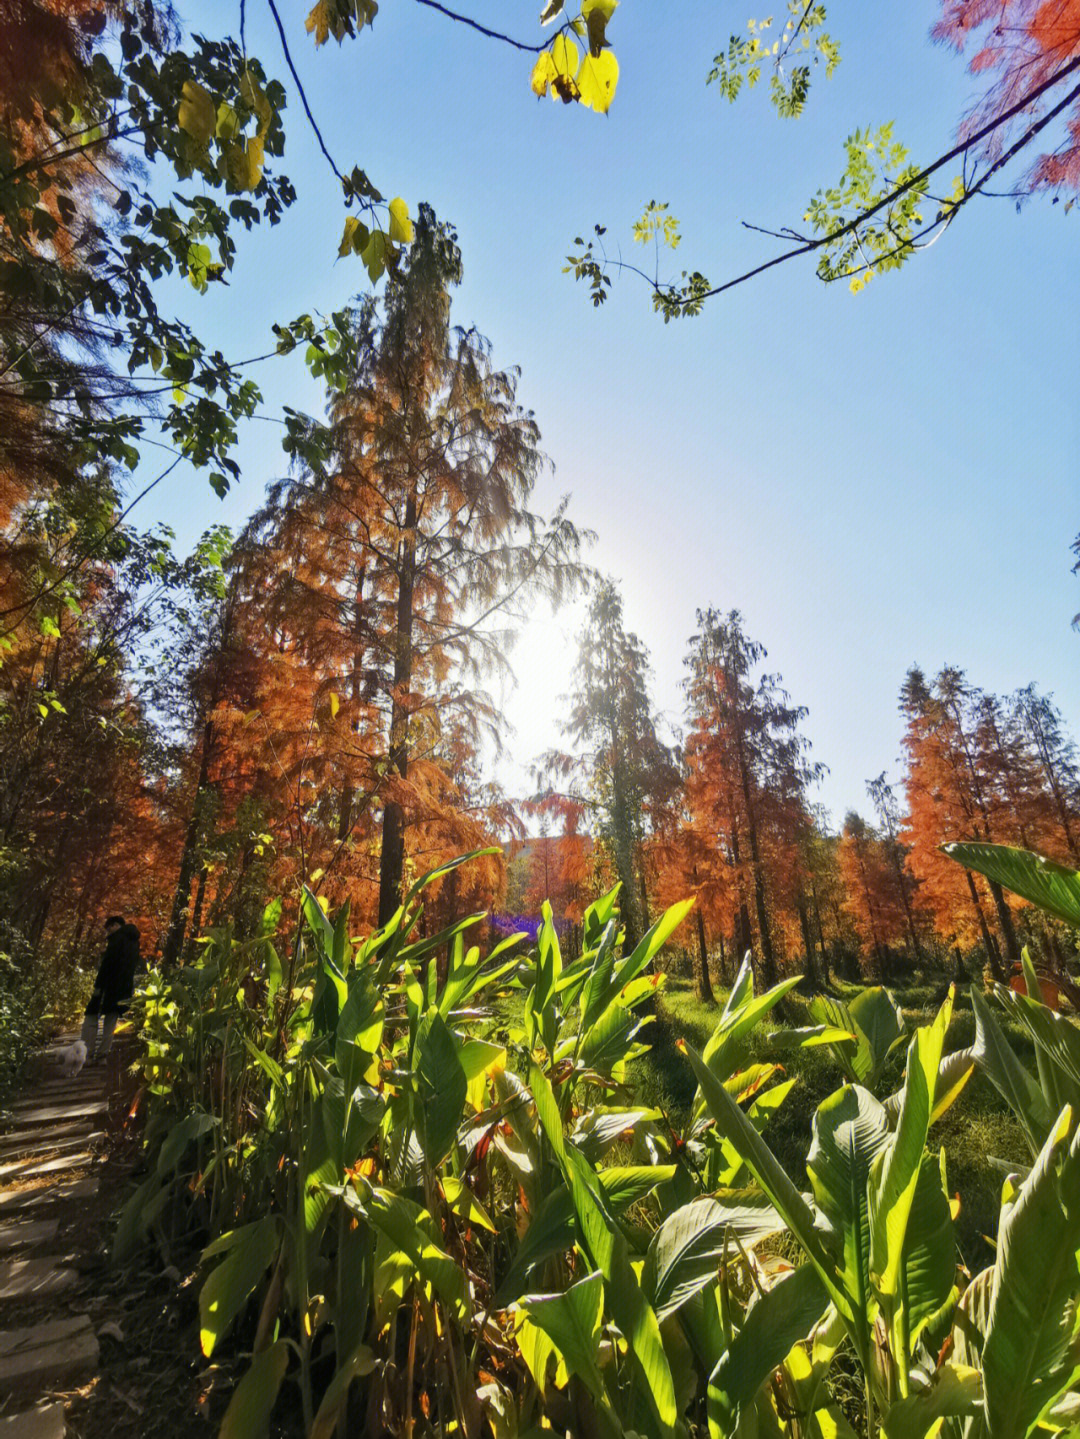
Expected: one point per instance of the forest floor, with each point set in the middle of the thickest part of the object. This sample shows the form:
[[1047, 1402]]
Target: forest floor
[[976, 1130]]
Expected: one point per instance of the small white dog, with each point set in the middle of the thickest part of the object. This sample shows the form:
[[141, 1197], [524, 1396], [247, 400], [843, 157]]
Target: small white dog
[[71, 1058]]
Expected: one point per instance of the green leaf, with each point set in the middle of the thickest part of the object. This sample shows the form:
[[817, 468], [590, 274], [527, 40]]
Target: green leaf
[[228, 1287], [407, 1226], [953, 1390], [552, 1227], [183, 1133], [605, 1245], [1056, 1037], [878, 1017], [894, 1190], [928, 1262], [994, 1056], [1052, 887], [253, 1400], [360, 1362], [725, 1051], [1032, 1351], [443, 1087], [690, 1244], [779, 1319], [610, 1038], [734, 1126], [850, 1131], [571, 1320]]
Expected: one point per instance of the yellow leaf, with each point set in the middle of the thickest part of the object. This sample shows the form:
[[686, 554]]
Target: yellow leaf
[[564, 55], [401, 227], [254, 97], [597, 78], [319, 21], [244, 163], [355, 236], [543, 73], [335, 705], [198, 115]]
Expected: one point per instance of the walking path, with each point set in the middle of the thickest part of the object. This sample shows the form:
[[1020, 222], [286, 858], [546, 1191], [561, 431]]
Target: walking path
[[51, 1141]]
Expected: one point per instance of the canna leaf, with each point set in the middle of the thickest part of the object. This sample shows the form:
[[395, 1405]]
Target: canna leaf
[[690, 1245], [253, 1400], [254, 1248], [1031, 1353], [605, 1245], [1052, 887], [775, 1323]]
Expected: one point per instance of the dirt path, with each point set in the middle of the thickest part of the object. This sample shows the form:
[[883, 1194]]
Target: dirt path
[[51, 1143]]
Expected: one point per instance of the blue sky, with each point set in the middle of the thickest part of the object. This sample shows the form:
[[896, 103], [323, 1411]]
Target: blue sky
[[872, 480]]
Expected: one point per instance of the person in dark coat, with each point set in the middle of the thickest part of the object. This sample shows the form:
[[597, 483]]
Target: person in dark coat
[[113, 987]]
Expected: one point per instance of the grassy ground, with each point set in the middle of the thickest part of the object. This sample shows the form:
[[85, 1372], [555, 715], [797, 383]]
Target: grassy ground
[[976, 1129]]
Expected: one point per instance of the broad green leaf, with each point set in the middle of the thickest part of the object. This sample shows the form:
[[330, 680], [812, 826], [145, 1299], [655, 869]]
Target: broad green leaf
[[953, 1390], [1052, 887], [1055, 1035], [360, 1362], [443, 1087], [571, 1320], [609, 979], [597, 1130], [734, 1126], [552, 1228], [775, 1323], [690, 1244], [877, 1015], [626, 1184], [407, 1226], [462, 1202], [604, 1243], [183, 1133], [894, 1190], [253, 1400], [228, 1287], [850, 1130], [608, 1041], [725, 1051], [1017, 1087], [928, 1261], [1031, 1353]]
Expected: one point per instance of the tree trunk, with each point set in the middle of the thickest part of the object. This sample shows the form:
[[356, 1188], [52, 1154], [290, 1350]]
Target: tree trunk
[[196, 914], [820, 934], [392, 858], [808, 945], [992, 955], [702, 982], [189, 856], [1005, 920]]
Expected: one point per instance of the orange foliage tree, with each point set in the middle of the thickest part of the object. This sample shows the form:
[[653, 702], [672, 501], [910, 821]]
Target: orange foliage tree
[[373, 595], [748, 771]]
